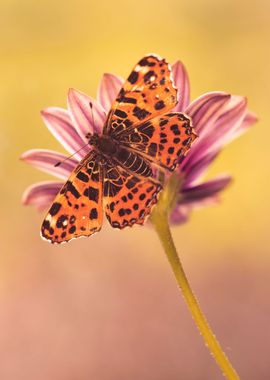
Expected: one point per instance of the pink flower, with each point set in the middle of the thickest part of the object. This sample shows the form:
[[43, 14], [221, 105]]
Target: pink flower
[[218, 118]]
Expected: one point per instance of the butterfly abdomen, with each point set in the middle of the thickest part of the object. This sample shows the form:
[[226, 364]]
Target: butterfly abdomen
[[111, 150], [133, 162]]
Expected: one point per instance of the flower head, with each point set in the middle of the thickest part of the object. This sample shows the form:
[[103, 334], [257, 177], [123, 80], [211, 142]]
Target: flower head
[[217, 117]]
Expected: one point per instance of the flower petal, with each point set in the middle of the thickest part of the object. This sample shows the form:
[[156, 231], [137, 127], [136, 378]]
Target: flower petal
[[206, 109], [215, 136], [181, 81], [248, 121], [45, 161], [205, 194], [180, 214], [85, 120], [204, 190], [230, 120], [195, 168], [59, 123], [41, 194], [108, 89]]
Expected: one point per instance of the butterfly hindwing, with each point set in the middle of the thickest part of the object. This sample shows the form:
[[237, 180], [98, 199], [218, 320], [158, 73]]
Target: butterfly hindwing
[[128, 199], [147, 92], [164, 140], [77, 209]]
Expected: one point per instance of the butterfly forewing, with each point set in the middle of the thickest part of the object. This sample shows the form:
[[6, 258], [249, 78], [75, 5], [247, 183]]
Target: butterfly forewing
[[163, 140], [77, 209], [148, 92], [128, 199]]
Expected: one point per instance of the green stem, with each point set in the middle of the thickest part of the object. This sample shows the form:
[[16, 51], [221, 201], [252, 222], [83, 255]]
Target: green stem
[[159, 219]]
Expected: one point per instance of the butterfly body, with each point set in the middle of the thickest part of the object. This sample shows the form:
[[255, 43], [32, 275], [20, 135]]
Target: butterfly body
[[104, 144], [117, 153], [140, 134]]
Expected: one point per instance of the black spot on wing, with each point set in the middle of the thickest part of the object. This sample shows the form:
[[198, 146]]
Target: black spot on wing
[[143, 62], [142, 196], [159, 105], [187, 141], [120, 114], [72, 219], [175, 129], [61, 221], [127, 100], [133, 77], [55, 208], [72, 230], [132, 182], [92, 194], [46, 225], [71, 188], [150, 75], [121, 212], [163, 122], [140, 113], [82, 177], [93, 214], [152, 149]]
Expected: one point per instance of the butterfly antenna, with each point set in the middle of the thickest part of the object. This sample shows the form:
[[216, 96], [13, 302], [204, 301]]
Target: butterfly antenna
[[67, 158], [93, 120]]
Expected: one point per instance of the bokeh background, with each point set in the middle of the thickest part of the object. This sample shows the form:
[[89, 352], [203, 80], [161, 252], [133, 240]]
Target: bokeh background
[[108, 307]]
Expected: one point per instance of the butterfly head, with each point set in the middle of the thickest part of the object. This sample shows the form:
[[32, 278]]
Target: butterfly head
[[104, 144], [92, 138]]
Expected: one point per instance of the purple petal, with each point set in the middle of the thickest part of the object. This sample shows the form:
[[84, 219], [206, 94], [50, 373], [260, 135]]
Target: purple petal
[[45, 161], [195, 168], [205, 190], [199, 196], [58, 122], [181, 81], [206, 109], [216, 135], [41, 194], [230, 120], [222, 131], [85, 120], [108, 89], [180, 214], [248, 121]]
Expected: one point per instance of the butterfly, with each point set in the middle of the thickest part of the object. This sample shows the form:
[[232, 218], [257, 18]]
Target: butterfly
[[140, 135]]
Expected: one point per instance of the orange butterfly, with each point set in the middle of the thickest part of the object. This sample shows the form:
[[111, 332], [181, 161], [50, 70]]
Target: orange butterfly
[[118, 173]]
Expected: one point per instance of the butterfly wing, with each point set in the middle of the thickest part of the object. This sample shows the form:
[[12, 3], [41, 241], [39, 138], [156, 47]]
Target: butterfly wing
[[148, 92], [164, 140], [77, 209], [128, 199], [139, 117]]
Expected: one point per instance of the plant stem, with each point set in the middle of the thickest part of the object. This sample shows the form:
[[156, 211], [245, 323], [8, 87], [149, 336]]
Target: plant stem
[[159, 219]]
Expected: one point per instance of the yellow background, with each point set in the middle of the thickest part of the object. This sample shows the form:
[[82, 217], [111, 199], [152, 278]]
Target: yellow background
[[108, 307]]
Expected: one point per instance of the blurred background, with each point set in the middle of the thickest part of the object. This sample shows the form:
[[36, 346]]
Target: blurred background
[[108, 307]]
